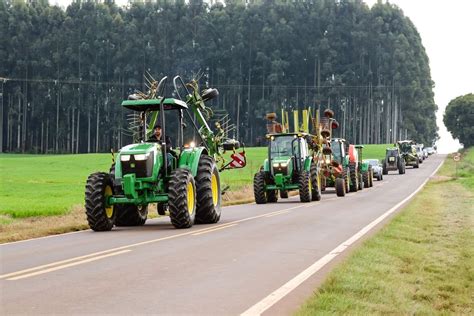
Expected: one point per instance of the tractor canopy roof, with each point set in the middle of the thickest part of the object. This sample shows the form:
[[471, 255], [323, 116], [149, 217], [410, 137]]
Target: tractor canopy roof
[[340, 140], [154, 104], [359, 146], [299, 134]]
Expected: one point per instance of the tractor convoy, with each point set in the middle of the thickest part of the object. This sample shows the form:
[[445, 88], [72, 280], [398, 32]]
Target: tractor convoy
[[184, 181]]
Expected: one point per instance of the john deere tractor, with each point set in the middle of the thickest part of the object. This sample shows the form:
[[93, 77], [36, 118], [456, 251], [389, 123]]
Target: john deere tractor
[[184, 181], [408, 152], [291, 165], [365, 169]]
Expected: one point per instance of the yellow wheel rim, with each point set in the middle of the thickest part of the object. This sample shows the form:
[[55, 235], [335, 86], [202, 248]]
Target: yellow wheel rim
[[215, 189], [309, 184], [190, 194], [109, 211]]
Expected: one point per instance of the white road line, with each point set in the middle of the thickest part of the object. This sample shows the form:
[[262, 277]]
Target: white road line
[[67, 265], [276, 214], [285, 289], [99, 253], [213, 230]]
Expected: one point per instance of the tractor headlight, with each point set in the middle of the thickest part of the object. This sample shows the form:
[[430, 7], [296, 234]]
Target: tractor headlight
[[124, 157], [275, 165], [284, 164], [141, 157]]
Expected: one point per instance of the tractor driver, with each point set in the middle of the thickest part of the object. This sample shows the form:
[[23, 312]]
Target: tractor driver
[[156, 137]]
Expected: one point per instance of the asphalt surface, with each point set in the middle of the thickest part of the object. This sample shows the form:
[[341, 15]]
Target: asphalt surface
[[220, 269]]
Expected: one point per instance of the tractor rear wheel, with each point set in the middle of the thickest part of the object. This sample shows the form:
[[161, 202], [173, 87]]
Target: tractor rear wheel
[[323, 182], [208, 209], [365, 176], [100, 217], [340, 187], [272, 196], [284, 194], [130, 215], [361, 181], [305, 186], [401, 167], [162, 208], [315, 184], [259, 188], [182, 198], [353, 174], [371, 177]]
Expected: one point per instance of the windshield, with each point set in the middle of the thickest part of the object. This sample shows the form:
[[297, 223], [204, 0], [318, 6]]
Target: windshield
[[281, 146], [373, 162], [405, 147], [392, 152], [336, 150]]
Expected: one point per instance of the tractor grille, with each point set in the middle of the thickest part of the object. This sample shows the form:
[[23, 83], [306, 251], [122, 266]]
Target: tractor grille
[[141, 168]]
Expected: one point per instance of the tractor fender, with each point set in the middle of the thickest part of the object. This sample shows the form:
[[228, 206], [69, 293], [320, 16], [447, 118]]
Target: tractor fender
[[353, 155], [307, 163], [189, 158]]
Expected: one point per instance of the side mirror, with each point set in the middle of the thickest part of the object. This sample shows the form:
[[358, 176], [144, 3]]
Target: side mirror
[[209, 94]]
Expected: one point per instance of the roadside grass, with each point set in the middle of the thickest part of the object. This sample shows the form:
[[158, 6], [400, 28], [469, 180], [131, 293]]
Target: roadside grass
[[422, 262]]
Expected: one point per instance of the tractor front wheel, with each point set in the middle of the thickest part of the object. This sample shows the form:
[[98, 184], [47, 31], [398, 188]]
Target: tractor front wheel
[[315, 184], [354, 178], [305, 186], [208, 185], [340, 187], [259, 188], [182, 198], [100, 216], [361, 181]]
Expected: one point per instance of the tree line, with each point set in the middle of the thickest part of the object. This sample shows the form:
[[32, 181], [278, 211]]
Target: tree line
[[64, 72]]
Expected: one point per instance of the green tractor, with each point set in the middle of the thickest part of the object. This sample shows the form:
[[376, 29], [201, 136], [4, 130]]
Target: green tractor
[[183, 181], [290, 165], [365, 169], [292, 162], [408, 152]]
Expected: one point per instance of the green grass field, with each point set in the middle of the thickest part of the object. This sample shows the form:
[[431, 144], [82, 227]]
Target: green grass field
[[45, 185], [420, 263]]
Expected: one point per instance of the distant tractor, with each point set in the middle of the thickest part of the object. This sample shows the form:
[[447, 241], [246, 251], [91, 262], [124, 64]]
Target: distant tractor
[[184, 181], [291, 165], [393, 161], [365, 169], [409, 153]]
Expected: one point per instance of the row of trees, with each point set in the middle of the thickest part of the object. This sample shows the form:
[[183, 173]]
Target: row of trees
[[64, 73]]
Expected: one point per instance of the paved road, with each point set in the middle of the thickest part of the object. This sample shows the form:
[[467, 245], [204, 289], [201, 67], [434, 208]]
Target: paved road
[[221, 269]]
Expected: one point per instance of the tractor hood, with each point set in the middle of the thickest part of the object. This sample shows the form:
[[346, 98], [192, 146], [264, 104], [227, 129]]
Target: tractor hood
[[281, 164], [141, 148]]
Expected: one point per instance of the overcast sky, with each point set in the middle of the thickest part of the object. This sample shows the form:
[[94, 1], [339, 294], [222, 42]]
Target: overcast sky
[[447, 32]]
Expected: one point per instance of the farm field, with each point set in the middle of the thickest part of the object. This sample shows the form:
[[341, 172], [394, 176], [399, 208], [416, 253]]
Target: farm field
[[48, 185]]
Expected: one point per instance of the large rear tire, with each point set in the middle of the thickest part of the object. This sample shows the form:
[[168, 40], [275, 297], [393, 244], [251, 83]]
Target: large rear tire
[[371, 176], [361, 181], [315, 183], [182, 198], [100, 217], [208, 208], [131, 215], [340, 187], [284, 194], [384, 168], [259, 188], [305, 186]]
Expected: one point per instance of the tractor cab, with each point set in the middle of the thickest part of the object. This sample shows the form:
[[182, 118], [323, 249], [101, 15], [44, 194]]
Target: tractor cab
[[339, 150], [287, 152]]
